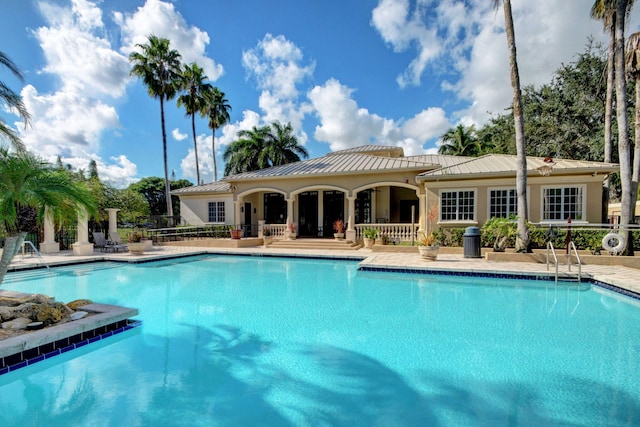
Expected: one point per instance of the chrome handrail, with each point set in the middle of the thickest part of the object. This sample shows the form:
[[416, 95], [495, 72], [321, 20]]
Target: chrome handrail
[[572, 246], [555, 257]]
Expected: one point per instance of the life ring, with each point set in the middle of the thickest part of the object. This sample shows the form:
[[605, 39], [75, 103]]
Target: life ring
[[606, 242]]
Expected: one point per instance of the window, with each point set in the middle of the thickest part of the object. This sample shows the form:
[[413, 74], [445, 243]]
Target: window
[[216, 211], [562, 203], [503, 203], [457, 205]]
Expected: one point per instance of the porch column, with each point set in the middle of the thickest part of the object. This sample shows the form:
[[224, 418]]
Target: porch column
[[320, 221], [374, 205], [113, 220], [351, 209], [237, 204], [49, 245], [422, 208], [289, 212], [82, 245]]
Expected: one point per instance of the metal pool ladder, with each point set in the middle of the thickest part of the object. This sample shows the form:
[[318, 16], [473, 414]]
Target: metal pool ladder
[[572, 251], [35, 251]]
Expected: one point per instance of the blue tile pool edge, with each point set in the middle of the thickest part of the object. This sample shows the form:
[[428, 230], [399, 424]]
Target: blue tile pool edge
[[511, 276], [74, 342]]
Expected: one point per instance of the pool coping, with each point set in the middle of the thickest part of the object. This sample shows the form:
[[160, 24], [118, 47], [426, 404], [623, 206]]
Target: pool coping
[[103, 321]]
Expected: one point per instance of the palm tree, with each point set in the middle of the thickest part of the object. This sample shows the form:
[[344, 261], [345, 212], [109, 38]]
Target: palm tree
[[245, 153], [194, 101], [159, 68], [218, 111], [282, 146], [601, 10], [522, 238], [13, 101], [460, 141], [29, 182]]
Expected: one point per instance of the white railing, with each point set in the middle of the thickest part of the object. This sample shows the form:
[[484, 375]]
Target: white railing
[[277, 230], [395, 232]]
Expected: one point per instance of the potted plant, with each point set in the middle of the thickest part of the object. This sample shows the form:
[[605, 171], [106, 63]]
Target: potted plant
[[136, 245], [338, 227], [267, 238], [236, 233], [292, 231], [428, 246], [370, 235]]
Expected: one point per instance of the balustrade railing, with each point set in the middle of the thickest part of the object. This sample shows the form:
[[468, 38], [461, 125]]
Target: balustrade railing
[[396, 232]]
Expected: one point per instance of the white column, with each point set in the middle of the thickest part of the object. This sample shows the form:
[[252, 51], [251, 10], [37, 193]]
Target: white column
[[49, 245], [290, 220], [422, 208], [113, 220], [320, 221], [351, 209], [237, 214], [374, 205], [82, 245]]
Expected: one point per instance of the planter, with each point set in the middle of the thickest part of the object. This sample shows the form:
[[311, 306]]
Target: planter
[[338, 236], [148, 244], [429, 253], [136, 248], [368, 243], [291, 236], [236, 234], [267, 240]]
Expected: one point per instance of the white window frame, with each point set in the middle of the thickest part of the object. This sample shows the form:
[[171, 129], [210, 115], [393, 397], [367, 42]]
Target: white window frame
[[543, 193], [474, 212], [515, 206], [217, 212]]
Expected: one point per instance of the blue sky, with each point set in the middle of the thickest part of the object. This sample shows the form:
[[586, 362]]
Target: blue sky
[[343, 72]]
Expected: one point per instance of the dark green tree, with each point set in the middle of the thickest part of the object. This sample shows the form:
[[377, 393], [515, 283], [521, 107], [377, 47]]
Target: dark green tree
[[159, 68], [152, 188], [461, 141], [245, 153]]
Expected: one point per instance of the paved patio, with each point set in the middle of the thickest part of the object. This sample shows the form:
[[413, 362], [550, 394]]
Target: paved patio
[[623, 277]]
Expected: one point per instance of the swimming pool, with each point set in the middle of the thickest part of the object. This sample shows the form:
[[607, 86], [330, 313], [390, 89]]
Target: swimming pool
[[276, 341]]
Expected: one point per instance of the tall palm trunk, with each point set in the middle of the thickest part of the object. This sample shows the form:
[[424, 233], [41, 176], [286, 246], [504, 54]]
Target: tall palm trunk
[[522, 238], [624, 149], [195, 147], [213, 152], [167, 187], [608, 109], [12, 245]]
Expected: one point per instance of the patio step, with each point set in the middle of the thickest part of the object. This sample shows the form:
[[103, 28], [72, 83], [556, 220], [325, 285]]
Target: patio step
[[325, 244]]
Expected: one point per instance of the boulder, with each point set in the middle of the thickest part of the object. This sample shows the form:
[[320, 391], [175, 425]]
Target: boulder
[[16, 324], [52, 312], [73, 305]]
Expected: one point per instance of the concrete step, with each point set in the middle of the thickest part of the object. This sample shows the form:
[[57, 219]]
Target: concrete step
[[326, 244]]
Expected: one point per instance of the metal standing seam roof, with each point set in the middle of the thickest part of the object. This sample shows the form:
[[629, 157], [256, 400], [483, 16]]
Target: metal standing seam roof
[[335, 164], [505, 164], [370, 149], [217, 187]]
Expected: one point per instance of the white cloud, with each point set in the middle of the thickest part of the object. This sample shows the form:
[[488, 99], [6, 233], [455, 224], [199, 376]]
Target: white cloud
[[161, 19], [77, 51], [188, 163], [178, 136]]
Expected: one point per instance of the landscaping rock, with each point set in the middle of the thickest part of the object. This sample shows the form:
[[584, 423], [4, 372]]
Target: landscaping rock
[[52, 312], [17, 324], [73, 305]]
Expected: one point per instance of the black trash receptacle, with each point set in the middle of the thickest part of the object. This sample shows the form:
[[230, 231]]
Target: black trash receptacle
[[472, 242]]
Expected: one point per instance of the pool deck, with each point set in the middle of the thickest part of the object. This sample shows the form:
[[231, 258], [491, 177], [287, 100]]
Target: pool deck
[[618, 276]]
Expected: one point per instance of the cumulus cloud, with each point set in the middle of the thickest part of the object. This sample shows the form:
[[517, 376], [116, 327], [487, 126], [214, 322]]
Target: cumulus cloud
[[343, 124], [178, 136], [463, 42], [161, 19], [188, 163], [77, 50]]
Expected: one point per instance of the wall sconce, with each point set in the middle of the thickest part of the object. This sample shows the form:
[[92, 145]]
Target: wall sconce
[[254, 210], [242, 209]]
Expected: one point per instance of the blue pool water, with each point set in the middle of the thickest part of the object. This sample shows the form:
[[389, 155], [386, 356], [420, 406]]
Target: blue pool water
[[274, 341]]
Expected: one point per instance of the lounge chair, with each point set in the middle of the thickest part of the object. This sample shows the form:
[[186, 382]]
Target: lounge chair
[[115, 242], [99, 241]]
